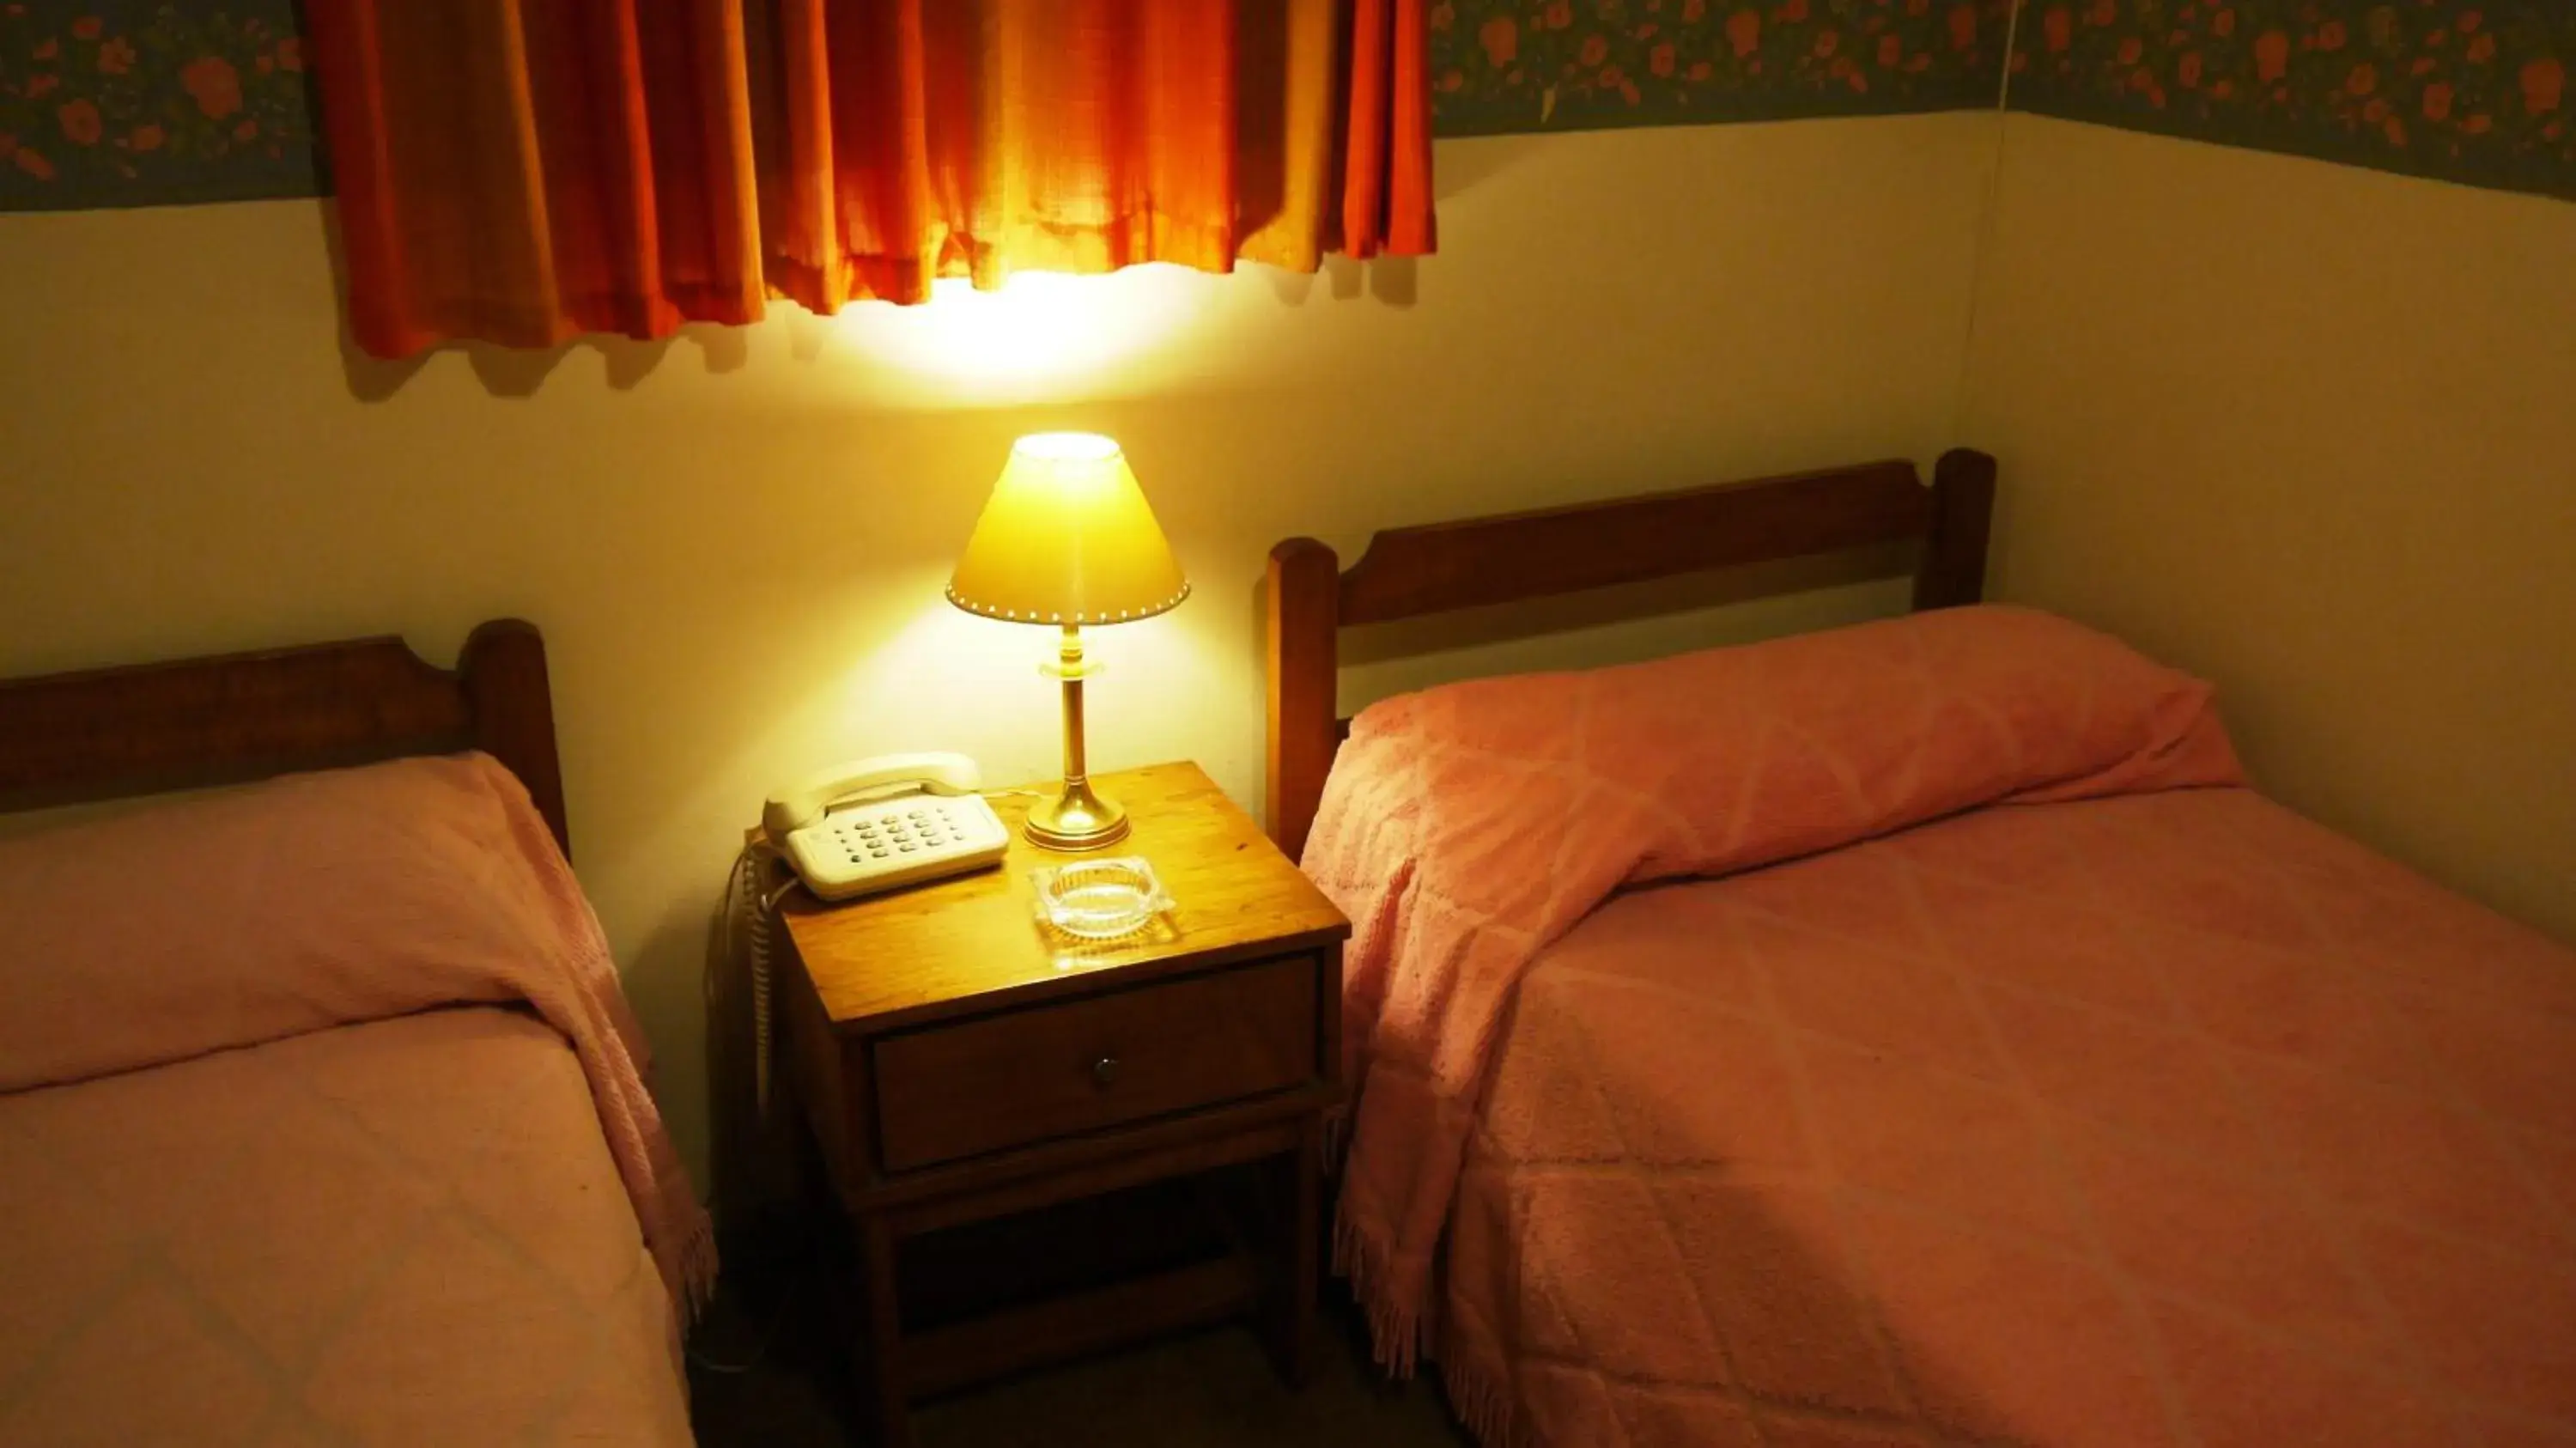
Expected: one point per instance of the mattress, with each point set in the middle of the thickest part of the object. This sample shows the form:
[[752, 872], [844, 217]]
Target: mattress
[[2160, 1119], [408, 1231]]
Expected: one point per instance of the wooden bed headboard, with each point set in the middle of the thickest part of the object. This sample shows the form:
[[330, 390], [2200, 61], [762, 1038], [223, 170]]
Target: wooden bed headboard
[[1469, 563], [191, 723]]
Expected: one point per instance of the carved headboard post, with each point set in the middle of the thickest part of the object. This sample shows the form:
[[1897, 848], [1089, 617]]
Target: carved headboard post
[[1953, 571], [503, 674], [1305, 591]]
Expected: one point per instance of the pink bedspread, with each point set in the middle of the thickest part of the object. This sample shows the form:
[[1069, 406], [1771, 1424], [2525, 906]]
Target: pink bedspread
[[326, 899], [2057, 1089], [2171, 1119], [404, 1232], [1466, 827]]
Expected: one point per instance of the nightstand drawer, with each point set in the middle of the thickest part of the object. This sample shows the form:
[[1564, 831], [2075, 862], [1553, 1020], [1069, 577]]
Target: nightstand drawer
[[1046, 1071]]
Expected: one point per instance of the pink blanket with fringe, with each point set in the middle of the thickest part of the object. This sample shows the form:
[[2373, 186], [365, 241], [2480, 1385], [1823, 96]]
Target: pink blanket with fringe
[[2020, 1079], [320, 900], [1466, 827], [2162, 1119]]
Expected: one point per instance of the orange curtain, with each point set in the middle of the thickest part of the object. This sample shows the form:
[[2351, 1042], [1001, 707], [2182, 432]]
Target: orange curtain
[[902, 141], [522, 171], [1386, 201]]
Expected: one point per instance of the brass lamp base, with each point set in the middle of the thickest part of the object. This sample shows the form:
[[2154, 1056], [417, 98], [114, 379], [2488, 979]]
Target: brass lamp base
[[1076, 820]]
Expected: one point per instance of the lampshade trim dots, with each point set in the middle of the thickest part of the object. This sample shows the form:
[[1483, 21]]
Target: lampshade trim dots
[[1124, 615]]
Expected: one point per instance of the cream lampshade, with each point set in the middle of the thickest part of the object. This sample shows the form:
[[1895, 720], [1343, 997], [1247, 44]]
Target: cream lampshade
[[1067, 539]]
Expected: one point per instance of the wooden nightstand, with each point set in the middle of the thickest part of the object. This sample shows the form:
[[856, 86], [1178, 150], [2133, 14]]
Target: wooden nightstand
[[956, 1070]]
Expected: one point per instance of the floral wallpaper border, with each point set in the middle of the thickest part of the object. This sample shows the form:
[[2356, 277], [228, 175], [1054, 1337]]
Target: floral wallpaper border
[[2473, 91], [110, 103], [1503, 66]]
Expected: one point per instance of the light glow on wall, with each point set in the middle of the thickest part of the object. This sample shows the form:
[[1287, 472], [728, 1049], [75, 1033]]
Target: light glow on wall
[[1040, 337]]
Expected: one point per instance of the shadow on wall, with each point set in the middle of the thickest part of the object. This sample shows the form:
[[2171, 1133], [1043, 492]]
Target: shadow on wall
[[521, 373], [514, 372]]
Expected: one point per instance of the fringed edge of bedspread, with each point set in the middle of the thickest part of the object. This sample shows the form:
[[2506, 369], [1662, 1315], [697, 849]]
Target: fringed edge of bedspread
[[1401, 1341], [1398, 1336], [697, 1269], [1484, 1405]]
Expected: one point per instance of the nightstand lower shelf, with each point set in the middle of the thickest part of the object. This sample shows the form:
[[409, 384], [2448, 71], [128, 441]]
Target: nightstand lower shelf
[[934, 1292], [946, 1358]]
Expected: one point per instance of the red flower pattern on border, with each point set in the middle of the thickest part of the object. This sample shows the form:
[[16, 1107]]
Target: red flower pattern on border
[[214, 84], [80, 122], [2544, 84], [1546, 64], [150, 103], [2475, 93]]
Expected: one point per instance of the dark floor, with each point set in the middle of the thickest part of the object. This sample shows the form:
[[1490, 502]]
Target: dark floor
[[1209, 1387]]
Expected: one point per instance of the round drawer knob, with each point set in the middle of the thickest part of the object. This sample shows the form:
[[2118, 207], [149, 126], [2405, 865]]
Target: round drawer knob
[[1104, 1071]]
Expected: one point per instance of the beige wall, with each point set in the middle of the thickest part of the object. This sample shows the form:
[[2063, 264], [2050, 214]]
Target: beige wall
[[735, 544], [2303, 428], [2311, 431]]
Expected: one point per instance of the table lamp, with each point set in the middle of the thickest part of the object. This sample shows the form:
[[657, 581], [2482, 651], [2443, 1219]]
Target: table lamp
[[1067, 539]]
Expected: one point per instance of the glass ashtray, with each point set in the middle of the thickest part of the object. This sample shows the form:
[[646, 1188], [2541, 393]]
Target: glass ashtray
[[1100, 899]]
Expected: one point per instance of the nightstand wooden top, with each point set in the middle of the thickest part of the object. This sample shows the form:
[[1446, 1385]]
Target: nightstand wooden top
[[973, 942]]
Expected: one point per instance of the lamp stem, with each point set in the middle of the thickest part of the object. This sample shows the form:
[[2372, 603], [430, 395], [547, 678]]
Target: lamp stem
[[1076, 819], [1076, 774]]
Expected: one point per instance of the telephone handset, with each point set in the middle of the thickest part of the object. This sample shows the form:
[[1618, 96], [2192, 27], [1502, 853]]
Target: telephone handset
[[855, 829], [877, 824]]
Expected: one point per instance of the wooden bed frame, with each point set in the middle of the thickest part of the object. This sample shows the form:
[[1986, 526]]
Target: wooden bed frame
[[1439, 567], [191, 723]]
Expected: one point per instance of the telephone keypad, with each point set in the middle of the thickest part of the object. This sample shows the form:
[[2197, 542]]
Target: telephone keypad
[[863, 848]]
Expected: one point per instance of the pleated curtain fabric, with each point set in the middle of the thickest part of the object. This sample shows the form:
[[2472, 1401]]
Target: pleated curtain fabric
[[1386, 201], [525, 171]]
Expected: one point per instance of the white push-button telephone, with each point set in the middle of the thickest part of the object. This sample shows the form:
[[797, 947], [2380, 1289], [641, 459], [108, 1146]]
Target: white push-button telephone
[[877, 824], [858, 828]]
